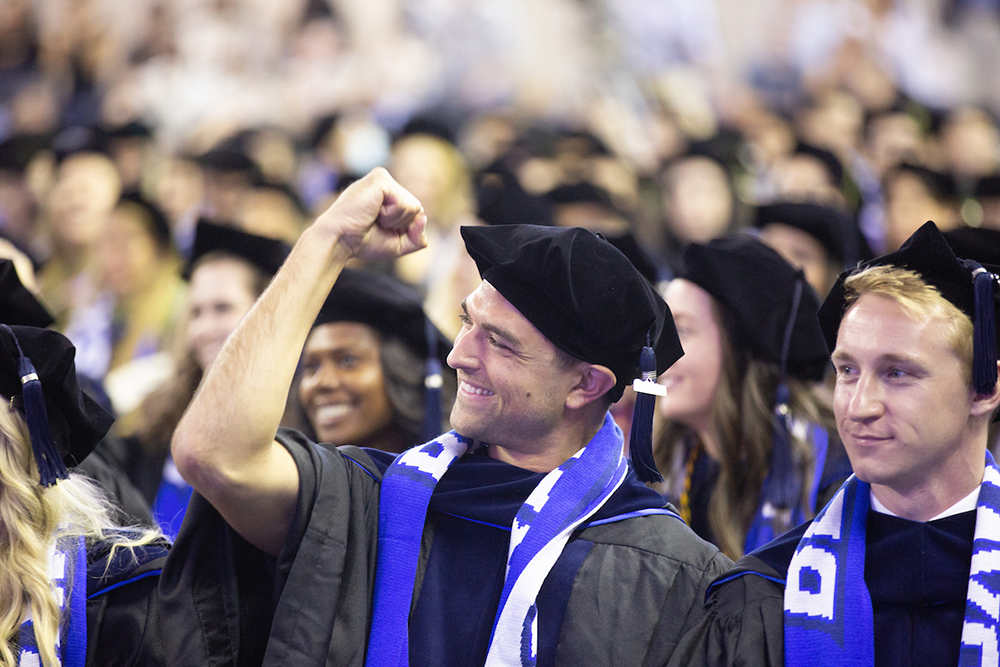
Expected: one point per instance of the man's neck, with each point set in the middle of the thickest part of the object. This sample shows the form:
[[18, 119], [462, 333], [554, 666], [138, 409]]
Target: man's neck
[[927, 500], [549, 454]]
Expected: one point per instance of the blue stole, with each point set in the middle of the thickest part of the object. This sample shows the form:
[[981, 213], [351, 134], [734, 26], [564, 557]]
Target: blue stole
[[68, 571], [827, 608], [560, 503], [171, 500]]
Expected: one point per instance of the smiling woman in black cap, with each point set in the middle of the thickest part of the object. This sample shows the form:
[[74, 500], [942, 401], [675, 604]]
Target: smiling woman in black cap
[[76, 588], [747, 436], [371, 372]]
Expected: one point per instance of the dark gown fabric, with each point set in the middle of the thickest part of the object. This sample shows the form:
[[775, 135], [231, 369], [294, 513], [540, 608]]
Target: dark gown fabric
[[124, 626], [104, 470], [917, 575], [623, 591]]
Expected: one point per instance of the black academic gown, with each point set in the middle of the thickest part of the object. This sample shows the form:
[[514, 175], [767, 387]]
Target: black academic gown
[[623, 592], [123, 613], [917, 575]]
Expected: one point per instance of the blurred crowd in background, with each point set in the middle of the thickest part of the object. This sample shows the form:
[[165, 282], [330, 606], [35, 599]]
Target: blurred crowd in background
[[656, 122]]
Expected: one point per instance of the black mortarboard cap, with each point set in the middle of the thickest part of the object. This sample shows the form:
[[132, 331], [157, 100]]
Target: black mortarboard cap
[[134, 129], [587, 298], [156, 219], [757, 286], [265, 254], [392, 308], [965, 283], [583, 192], [427, 124], [987, 186], [228, 157], [17, 151], [38, 374], [78, 139], [580, 192], [828, 225], [978, 243], [501, 200], [17, 304], [830, 161], [384, 303], [940, 185], [580, 291]]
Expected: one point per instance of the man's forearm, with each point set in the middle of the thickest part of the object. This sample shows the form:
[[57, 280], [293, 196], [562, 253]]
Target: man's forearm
[[236, 412], [224, 445]]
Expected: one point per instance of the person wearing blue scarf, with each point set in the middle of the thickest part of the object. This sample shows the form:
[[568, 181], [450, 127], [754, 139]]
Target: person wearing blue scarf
[[525, 536], [900, 566]]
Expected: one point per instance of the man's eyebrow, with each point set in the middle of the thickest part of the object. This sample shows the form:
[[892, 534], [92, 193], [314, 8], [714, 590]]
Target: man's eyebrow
[[882, 358], [494, 329]]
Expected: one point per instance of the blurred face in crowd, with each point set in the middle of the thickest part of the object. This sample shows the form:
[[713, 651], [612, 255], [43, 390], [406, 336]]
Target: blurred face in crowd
[[594, 217], [971, 143], [801, 177], [698, 202], [85, 191], [694, 378], [803, 251], [893, 138], [220, 294], [434, 171], [909, 204], [129, 254], [343, 388], [271, 214]]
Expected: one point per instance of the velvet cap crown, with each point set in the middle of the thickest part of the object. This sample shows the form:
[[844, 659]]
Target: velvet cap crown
[[384, 303], [757, 286], [17, 304], [265, 254], [580, 291], [926, 253], [77, 422], [826, 224]]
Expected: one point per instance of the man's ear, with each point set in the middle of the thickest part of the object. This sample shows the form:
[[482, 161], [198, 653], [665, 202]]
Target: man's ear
[[987, 403], [595, 381]]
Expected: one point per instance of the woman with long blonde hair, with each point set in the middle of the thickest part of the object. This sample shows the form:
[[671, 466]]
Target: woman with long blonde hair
[[76, 588]]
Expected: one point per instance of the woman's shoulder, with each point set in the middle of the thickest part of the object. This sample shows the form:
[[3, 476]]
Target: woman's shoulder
[[111, 564]]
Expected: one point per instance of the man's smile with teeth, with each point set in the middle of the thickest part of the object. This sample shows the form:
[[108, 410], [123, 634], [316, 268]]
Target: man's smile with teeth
[[479, 391]]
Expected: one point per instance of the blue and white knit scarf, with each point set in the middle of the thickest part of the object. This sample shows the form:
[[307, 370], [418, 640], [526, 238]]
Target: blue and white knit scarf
[[828, 611], [68, 571], [563, 500]]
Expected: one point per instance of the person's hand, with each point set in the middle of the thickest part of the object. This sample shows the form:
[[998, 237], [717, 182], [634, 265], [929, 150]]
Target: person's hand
[[376, 218]]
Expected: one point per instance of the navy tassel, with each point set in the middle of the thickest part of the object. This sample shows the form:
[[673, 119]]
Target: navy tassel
[[641, 435], [51, 467], [782, 488], [984, 340], [432, 387]]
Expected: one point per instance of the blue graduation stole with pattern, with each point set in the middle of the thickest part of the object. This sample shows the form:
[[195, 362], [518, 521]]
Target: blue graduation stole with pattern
[[564, 499], [827, 608]]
